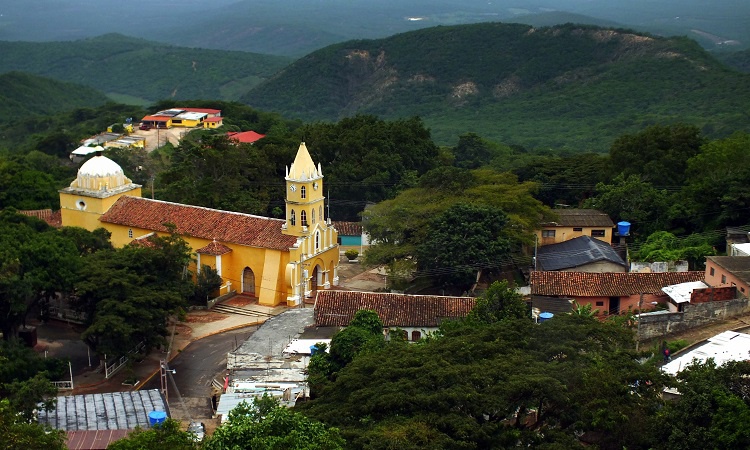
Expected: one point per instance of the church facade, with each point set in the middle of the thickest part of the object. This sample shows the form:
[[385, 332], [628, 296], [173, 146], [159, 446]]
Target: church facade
[[278, 261]]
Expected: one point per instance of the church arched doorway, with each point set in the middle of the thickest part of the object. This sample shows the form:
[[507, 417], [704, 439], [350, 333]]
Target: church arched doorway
[[248, 282]]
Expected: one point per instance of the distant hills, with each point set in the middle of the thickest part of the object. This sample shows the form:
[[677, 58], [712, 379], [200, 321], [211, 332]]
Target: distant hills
[[566, 86], [137, 71], [23, 94]]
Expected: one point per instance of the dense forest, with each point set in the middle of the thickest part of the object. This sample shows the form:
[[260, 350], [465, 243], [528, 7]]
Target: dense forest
[[583, 85], [134, 70]]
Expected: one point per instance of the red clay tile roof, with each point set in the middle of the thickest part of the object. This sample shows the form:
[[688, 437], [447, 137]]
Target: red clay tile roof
[[53, 218], [337, 308], [584, 284], [214, 248], [195, 221], [245, 137], [581, 218], [348, 228]]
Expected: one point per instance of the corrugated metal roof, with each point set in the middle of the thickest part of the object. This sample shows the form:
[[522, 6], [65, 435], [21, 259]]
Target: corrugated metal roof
[[680, 293], [576, 253], [109, 411]]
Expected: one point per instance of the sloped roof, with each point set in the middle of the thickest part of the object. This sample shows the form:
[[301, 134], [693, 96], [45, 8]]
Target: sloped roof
[[94, 439], [576, 253], [739, 266], [53, 218], [337, 308], [109, 411], [581, 218], [617, 284], [199, 222], [680, 293], [214, 248], [203, 110], [213, 119], [348, 228], [245, 137], [156, 118]]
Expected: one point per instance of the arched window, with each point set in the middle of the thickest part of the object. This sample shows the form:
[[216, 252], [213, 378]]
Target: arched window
[[292, 219], [303, 218], [317, 240], [303, 192], [313, 216], [320, 210]]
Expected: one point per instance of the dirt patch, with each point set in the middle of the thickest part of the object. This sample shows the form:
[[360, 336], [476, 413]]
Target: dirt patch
[[205, 317]]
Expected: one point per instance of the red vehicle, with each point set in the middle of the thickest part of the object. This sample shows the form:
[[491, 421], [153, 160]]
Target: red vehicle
[[144, 126]]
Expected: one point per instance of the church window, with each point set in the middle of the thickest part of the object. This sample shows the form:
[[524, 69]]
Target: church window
[[303, 218], [320, 210], [130, 233], [317, 240], [303, 192], [292, 219], [313, 216]]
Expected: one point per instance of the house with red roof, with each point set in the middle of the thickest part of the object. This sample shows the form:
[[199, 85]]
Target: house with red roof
[[245, 137], [278, 261], [610, 293], [416, 315]]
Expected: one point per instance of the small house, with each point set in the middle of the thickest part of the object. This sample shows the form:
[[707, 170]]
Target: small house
[[573, 223]]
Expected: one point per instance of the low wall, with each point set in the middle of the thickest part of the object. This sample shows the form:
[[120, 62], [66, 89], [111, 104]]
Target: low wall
[[695, 315]]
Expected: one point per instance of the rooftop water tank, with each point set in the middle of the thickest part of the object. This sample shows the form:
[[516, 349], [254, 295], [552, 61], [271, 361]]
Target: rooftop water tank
[[543, 317], [156, 418], [623, 228]]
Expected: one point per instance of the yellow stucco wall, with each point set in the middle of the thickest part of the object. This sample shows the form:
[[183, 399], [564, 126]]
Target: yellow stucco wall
[[563, 234], [87, 215]]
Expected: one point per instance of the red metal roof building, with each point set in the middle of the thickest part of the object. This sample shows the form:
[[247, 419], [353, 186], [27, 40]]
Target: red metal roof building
[[245, 137]]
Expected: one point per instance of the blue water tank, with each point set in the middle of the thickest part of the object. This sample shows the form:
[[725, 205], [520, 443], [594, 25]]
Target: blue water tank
[[545, 316], [156, 418], [623, 228], [313, 349]]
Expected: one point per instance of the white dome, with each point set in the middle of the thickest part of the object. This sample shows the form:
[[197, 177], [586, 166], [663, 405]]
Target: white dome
[[100, 166]]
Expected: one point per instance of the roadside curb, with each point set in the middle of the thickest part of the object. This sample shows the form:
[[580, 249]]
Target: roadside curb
[[213, 333]]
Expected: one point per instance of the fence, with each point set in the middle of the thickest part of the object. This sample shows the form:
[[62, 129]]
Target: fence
[[112, 368], [659, 324], [63, 385]]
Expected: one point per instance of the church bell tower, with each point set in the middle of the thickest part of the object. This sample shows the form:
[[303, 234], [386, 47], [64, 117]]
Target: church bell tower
[[304, 195]]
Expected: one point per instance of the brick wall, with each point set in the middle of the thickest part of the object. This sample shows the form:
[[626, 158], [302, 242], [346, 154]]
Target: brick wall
[[695, 315], [713, 294]]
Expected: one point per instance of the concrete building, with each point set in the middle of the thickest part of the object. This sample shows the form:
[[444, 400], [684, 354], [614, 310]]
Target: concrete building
[[573, 223]]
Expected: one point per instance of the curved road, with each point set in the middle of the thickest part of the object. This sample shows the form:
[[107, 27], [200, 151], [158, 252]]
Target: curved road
[[197, 365]]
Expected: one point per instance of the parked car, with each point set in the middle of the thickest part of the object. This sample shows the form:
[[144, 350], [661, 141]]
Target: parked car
[[198, 430], [144, 126]]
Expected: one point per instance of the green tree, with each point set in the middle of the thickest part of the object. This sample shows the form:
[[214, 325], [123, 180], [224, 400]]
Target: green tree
[[255, 427], [634, 200], [570, 382], [499, 302], [462, 241], [128, 293], [658, 154], [167, 435], [25, 378], [665, 246], [207, 283], [712, 411], [19, 433], [473, 152]]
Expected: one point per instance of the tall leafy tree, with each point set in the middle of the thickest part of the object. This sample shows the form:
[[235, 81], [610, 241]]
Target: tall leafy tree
[[19, 433], [499, 302], [267, 426], [167, 435], [462, 241]]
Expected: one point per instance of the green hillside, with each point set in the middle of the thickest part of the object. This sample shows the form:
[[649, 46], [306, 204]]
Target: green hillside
[[565, 86], [137, 70], [22, 94]]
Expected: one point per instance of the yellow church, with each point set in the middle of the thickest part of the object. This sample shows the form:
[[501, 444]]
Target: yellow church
[[277, 261]]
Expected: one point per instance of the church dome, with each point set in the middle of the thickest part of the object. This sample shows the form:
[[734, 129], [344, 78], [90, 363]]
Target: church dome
[[100, 173], [100, 166]]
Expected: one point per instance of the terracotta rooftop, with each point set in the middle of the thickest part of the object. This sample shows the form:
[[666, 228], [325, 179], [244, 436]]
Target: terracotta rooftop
[[213, 119], [203, 110], [348, 228], [53, 218], [580, 218], [214, 248], [584, 284], [199, 222], [739, 266], [245, 137], [94, 439], [337, 308]]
